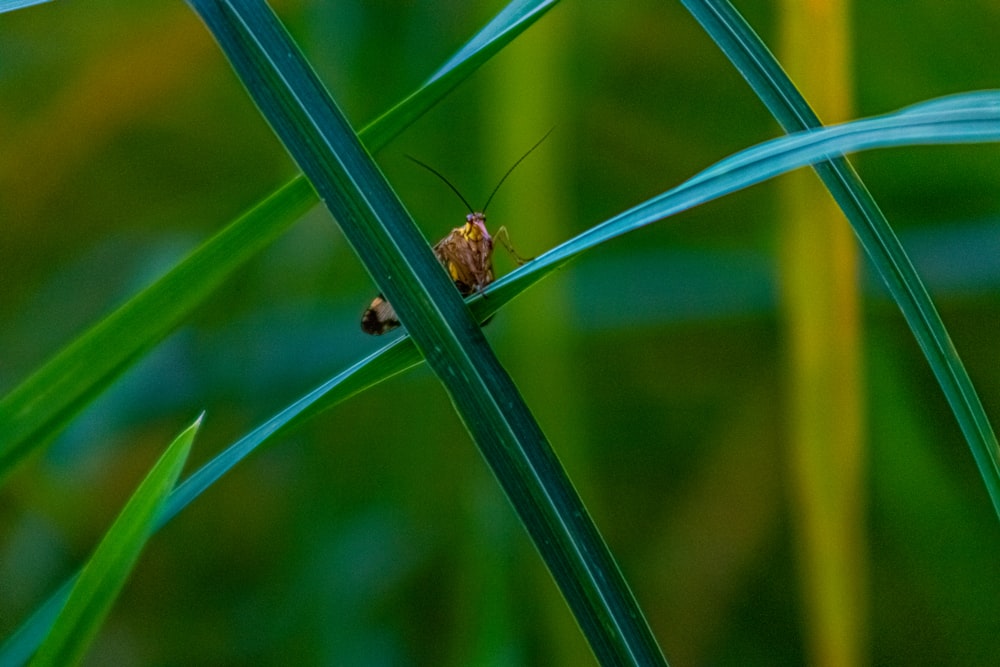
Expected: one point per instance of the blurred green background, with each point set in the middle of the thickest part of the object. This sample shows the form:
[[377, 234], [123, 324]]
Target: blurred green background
[[657, 365]]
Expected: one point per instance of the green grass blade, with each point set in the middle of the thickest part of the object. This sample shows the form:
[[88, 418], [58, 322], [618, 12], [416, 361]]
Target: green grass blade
[[390, 360], [39, 406], [512, 20], [381, 232], [105, 574], [35, 410], [752, 58], [400, 355]]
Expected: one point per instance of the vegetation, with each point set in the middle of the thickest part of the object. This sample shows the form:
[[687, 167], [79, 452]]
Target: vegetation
[[770, 457]]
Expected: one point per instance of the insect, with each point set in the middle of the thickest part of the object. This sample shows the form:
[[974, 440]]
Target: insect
[[466, 253]]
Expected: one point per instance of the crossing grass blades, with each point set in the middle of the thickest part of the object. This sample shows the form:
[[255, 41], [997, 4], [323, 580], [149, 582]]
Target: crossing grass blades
[[466, 253]]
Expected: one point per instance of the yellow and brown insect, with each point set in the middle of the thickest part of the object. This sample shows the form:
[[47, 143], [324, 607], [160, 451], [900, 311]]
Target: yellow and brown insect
[[466, 254]]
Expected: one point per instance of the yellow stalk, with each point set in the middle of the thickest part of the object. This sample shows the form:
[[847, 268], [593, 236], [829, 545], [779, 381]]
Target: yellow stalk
[[818, 267]]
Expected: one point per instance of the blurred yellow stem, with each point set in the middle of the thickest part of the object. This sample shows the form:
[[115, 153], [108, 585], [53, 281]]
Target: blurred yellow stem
[[820, 293]]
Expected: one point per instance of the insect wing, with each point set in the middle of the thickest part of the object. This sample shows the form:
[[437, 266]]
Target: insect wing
[[468, 259], [466, 254], [379, 318]]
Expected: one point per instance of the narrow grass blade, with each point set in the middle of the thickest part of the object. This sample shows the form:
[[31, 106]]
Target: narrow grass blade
[[400, 355], [35, 410], [393, 359], [20, 646], [972, 117], [381, 232], [11, 5], [105, 573], [512, 20], [752, 58]]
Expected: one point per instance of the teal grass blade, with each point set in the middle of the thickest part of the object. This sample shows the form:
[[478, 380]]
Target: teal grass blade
[[385, 238], [761, 70], [11, 5]]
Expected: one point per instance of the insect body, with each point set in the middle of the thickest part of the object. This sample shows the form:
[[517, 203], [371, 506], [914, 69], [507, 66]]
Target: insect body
[[466, 254]]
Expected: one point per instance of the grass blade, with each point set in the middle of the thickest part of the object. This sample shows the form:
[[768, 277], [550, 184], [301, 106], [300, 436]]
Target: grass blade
[[11, 5], [381, 232], [752, 58], [970, 117], [104, 575], [512, 20], [20, 646]]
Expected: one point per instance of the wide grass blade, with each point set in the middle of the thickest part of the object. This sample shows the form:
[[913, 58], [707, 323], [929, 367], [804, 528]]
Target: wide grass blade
[[752, 58], [389, 244], [36, 410], [105, 573], [737, 172]]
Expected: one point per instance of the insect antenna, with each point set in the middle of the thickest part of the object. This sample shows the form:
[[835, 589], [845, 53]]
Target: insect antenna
[[514, 166], [446, 181]]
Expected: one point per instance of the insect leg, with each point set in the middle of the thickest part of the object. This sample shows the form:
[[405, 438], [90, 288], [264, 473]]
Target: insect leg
[[503, 236]]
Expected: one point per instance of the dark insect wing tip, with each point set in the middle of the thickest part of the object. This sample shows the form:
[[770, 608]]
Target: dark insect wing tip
[[379, 318], [465, 254]]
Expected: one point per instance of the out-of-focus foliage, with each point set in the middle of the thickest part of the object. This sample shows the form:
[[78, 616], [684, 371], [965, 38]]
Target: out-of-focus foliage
[[375, 534]]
